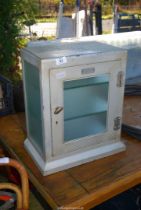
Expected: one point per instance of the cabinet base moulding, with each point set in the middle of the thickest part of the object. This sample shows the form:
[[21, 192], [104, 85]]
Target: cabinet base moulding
[[62, 163]]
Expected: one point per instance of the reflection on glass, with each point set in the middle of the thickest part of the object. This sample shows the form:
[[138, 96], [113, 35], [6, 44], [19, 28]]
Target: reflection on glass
[[85, 107]]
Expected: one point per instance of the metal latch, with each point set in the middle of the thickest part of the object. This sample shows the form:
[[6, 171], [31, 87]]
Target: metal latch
[[120, 79], [58, 110], [117, 123]]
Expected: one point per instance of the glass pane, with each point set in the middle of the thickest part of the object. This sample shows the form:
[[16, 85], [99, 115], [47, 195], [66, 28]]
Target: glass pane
[[85, 107], [32, 85]]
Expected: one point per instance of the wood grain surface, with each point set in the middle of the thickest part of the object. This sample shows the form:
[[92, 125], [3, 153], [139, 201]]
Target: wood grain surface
[[83, 186], [132, 111]]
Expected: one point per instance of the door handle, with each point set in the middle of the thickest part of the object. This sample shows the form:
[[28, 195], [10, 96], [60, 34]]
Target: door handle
[[58, 110]]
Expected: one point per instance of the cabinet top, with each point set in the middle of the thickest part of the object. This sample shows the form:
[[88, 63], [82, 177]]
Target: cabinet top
[[68, 48]]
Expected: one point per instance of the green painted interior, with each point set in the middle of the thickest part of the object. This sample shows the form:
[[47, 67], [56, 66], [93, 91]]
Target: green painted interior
[[85, 107]]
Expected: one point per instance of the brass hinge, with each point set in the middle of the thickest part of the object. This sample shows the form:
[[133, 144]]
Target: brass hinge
[[117, 123], [120, 79]]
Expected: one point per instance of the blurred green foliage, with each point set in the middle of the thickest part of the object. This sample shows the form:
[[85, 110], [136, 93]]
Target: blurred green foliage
[[13, 14]]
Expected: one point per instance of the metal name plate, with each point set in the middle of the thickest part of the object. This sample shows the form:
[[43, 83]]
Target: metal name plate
[[88, 70]]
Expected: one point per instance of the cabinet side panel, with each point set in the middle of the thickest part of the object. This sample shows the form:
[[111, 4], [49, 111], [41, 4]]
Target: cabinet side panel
[[33, 105]]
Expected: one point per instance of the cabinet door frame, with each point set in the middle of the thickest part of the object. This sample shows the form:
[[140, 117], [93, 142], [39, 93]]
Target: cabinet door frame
[[57, 78]]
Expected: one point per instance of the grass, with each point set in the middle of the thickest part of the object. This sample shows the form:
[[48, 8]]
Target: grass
[[46, 20], [106, 17], [53, 20], [107, 32], [137, 11]]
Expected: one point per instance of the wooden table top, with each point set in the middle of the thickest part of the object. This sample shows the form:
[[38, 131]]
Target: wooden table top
[[83, 186]]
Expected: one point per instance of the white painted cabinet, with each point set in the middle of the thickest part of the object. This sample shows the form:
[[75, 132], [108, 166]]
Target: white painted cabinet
[[73, 97]]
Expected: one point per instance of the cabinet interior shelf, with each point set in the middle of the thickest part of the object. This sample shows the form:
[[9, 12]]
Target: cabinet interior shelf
[[86, 115], [100, 80]]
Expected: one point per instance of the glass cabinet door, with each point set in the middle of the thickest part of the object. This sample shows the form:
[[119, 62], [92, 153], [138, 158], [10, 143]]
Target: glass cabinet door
[[84, 106]]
